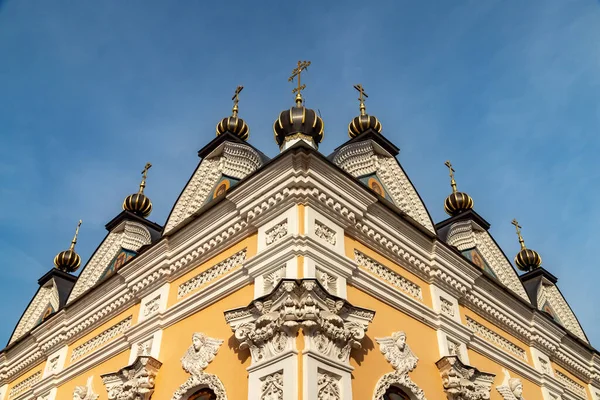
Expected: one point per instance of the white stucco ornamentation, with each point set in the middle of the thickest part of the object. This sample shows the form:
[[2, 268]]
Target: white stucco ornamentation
[[558, 303], [324, 232], [332, 327], [359, 159], [232, 159], [511, 388], [494, 338], [272, 387], [202, 351], [571, 385], [328, 387], [47, 295], [100, 339], [403, 360], [85, 392], [462, 382], [134, 382], [24, 385], [277, 232], [128, 235]]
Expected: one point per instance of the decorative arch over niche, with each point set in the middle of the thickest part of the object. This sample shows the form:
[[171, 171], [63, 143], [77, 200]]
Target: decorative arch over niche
[[203, 394], [395, 393]]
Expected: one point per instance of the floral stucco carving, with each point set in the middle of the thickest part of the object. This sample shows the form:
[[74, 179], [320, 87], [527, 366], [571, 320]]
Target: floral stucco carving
[[397, 352], [134, 382], [463, 382], [197, 357]]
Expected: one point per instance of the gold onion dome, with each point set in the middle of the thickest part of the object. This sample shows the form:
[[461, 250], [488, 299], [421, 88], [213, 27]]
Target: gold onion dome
[[69, 260], [526, 259], [138, 203], [234, 124], [298, 121], [363, 122], [457, 202]]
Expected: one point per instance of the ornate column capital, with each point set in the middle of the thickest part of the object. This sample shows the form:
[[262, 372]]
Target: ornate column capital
[[134, 382], [463, 382]]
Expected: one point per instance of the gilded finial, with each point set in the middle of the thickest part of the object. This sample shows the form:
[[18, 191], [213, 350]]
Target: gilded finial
[[362, 96], [296, 72], [452, 181], [518, 228], [236, 100], [74, 241], [144, 176]]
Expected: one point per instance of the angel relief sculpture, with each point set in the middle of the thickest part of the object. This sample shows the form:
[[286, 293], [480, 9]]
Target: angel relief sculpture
[[197, 357], [511, 388], [398, 353]]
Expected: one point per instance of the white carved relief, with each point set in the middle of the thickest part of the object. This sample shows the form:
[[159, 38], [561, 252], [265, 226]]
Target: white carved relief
[[197, 357], [53, 364], [571, 385], [152, 306], [328, 281], [235, 160], [558, 303], [211, 273], [277, 232], [462, 236], [134, 382], [85, 392], [403, 360], [359, 159], [388, 275], [492, 337], [454, 348], [144, 348], [325, 233], [447, 307], [48, 294], [272, 387], [332, 327], [271, 279], [544, 366], [128, 235], [328, 386], [24, 385], [100, 339], [511, 388], [462, 382]]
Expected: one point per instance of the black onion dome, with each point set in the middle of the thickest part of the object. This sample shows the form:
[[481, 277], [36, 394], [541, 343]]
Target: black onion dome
[[298, 120], [235, 125], [363, 123], [67, 261], [138, 204], [528, 259], [457, 203]]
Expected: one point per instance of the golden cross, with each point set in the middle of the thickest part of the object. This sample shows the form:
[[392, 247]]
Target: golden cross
[[236, 100], [74, 241], [302, 65], [361, 98], [518, 227], [452, 181], [144, 176]]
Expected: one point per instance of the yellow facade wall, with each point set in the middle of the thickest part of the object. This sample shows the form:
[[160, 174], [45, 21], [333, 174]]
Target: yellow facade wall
[[23, 376], [369, 362], [229, 364]]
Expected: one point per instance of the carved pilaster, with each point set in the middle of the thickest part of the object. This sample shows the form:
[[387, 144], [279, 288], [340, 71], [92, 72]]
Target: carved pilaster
[[463, 382], [134, 382]]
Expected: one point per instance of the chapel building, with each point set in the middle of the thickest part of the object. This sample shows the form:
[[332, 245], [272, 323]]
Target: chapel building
[[301, 277]]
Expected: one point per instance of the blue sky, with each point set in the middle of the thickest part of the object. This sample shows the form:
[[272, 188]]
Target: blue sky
[[92, 90]]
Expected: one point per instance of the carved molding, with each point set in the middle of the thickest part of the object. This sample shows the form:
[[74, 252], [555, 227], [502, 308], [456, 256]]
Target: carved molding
[[558, 303], [272, 386], [101, 339], [47, 295], [129, 235], [268, 326], [277, 232], [24, 385], [511, 388], [197, 357], [494, 338], [398, 353], [134, 382], [328, 387], [324, 232], [570, 384], [236, 160], [463, 382], [85, 392]]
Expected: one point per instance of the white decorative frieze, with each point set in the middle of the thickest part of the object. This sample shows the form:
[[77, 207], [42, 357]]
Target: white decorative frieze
[[24, 385], [277, 232], [151, 306], [332, 327], [383, 272], [46, 295], [135, 382], [197, 357], [328, 386], [271, 279], [101, 339], [325, 233], [571, 385], [272, 386], [462, 382], [494, 338], [551, 294], [511, 388], [327, 280], [211, 273], [447, 307], [85, 392], [154, 302], [403, 360]]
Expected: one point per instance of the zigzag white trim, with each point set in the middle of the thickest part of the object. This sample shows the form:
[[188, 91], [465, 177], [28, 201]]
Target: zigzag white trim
[[48, 294]]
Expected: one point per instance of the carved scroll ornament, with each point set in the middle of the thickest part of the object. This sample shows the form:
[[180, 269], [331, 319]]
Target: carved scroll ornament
[[134, 382], [462, 382]]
